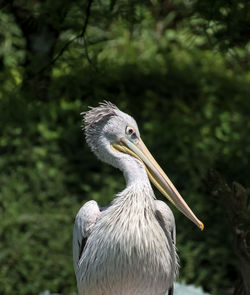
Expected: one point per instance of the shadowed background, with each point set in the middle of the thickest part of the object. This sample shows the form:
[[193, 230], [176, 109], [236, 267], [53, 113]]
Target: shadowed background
[[180, 68]]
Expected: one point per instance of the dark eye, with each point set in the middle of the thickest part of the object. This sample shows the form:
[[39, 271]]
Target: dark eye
[[129, 130]]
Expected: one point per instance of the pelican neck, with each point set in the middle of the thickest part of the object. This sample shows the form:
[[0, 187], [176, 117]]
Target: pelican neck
[[135, 173]]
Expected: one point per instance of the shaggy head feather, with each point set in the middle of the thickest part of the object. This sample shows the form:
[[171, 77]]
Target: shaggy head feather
[[94, 116], [103, 125]]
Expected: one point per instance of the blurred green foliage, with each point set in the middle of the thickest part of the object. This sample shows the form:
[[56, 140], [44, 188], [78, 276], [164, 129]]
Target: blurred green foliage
[[165, 63]]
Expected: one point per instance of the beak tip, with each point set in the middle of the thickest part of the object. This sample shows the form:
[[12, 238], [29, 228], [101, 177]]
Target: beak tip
[[201, 226]]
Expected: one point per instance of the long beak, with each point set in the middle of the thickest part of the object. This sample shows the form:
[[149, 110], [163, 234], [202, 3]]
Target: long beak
[[156, 175]]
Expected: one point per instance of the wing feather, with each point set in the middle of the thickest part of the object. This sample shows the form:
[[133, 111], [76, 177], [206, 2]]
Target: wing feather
[[167, 222], [84, 222]]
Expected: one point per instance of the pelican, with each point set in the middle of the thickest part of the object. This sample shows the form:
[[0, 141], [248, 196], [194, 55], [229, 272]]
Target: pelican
[[128, 247]]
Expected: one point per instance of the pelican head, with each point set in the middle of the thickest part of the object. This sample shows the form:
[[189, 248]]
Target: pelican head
[[115, 139]]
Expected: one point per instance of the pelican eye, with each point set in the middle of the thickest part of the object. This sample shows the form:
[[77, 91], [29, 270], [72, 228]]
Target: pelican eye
[[129, 130]]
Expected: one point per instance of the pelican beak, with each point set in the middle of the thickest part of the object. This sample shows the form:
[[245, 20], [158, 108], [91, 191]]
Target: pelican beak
[[156, 175]]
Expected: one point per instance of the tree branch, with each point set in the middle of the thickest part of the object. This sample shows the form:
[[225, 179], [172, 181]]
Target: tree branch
[[81, 35]]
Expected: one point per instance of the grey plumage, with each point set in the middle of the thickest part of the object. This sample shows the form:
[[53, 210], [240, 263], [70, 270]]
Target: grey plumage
[[129, 247], [128, 252]]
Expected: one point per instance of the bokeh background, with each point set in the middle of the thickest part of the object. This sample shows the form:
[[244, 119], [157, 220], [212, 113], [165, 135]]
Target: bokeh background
[[179, 67]]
